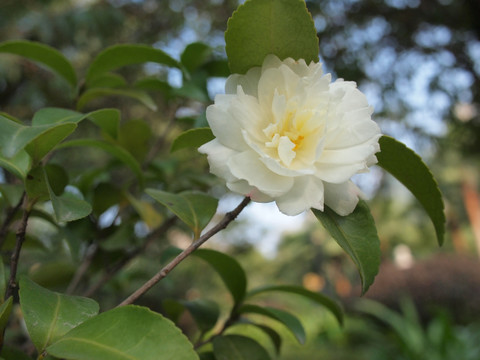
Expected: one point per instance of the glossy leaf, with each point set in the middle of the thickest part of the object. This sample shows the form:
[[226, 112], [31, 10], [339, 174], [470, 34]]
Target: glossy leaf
[[319, 298], [18, 165], [96, 93], [237, 347], [115, 150], [408, 168], [49, 315], [129, 333], [43, 54], [205, 313], [106, 119], [118, 56], [290, 321], [35, 185], [357, 235], [37, 140], [261, 27], [194, 208], [192, 138]]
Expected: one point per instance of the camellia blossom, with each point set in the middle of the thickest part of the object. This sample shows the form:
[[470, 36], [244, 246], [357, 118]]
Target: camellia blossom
[[285, 133]]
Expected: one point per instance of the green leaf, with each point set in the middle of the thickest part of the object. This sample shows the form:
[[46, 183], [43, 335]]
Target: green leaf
[[229, 270], [118, 56], [154, 84], [124, 333], [18, 165], [192, 138], [357, 235], [57, 178], [108, 80], [43, 54], [36, 140], [195, 55], [408, 168], [272, 334], [35, 184], [12, 193], [262, 27], [106, 119], [96, 93], [69, 207], [290, 321], [136, 136], [53, 273], [10, 353], [205, 313], [3, 279], [319, 298], [5, 311], [237, 347], [49, 315], [194, 208], [115, 150]]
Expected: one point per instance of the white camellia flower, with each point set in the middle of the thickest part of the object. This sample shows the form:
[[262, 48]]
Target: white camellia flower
[[285, 133]]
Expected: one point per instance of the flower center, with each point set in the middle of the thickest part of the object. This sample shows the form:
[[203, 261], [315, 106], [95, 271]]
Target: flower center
[[287, 135]]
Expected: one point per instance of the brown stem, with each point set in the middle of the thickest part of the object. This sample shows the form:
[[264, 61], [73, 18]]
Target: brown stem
[[227, 219], [20, 238], [8, 219], [121, 263]]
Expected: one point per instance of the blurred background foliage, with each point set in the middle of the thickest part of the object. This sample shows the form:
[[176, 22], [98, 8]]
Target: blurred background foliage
[[419, 64]]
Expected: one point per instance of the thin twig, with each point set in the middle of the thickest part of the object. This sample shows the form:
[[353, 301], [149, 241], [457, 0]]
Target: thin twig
[[227, 219], [8, 219], [128, 257], [20, 238], [82, 269]]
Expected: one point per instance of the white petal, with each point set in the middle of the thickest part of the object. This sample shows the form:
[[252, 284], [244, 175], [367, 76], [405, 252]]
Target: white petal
[[342, 198], [217, 156], [306, 193], [242, 187], [248, 82], [338, 173], [225, 128], [247, 166]]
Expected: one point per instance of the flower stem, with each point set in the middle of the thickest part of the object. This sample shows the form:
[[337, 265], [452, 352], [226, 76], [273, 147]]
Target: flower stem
[[227, 219]]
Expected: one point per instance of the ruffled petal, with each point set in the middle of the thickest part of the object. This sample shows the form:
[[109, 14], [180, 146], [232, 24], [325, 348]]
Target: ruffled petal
[[217, 156], [247, 166], [342, 198], [306, 193]]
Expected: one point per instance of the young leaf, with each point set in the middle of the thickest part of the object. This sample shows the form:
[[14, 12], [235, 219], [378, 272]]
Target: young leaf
[[291, 322], [124, 333], [405, 165], [237, 347], [229, 270], [194, 208], [95, 93], [43, 54], [262, 27], [117, 56], [321, 299], [49, 315], [192, 138], [357, 235], [204, 312]]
